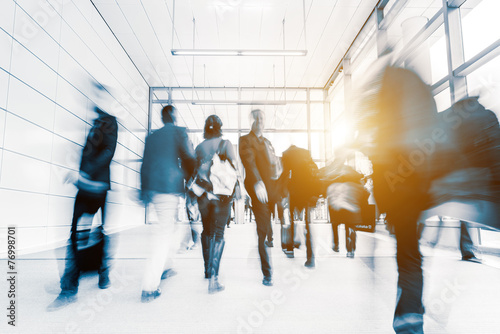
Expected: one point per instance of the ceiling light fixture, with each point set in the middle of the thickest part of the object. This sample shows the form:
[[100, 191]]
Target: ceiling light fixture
[[238, 103], [244, 52], [215, 52]]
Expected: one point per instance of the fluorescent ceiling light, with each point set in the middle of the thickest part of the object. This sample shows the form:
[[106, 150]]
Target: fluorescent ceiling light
[[215, 52], [237, 103], [199, 103]]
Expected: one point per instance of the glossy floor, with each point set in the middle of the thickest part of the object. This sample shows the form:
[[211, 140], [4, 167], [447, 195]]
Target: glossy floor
[[341, 295]]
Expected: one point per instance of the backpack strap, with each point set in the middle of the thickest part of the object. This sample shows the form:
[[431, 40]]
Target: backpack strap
[[222, 152]]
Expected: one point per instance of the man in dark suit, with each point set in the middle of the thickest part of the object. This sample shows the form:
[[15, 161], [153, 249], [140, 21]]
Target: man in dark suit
[[162, 183], [260, 162], [93, 184]]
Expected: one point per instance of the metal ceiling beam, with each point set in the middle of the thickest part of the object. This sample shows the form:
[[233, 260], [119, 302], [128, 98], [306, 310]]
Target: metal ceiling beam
[[455, 3], [395, 10], [479, 59]]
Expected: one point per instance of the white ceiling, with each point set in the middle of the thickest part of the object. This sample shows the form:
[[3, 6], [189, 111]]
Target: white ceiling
[[144, 28]]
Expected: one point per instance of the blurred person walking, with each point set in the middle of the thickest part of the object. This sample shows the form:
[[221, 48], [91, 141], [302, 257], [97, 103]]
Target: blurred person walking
[[194, 218], [93, 184], [162, 183], [215, 208], [396, 116], [261, 171], [300, 177], [346, 196]]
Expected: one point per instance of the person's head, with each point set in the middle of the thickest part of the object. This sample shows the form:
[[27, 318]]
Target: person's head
[[213, 127], [259, 121], [168, 114], [100, 95]]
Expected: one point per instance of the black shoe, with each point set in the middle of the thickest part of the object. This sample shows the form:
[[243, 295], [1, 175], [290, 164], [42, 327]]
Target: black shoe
[[268, 281], [471, 258], [148, 296], [335, 248], [168, 273], [269, 243], [61, 301], [104, 282], [310, 263]]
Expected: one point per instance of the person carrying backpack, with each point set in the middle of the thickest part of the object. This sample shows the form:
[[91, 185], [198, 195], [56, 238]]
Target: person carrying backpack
[[218, 190]]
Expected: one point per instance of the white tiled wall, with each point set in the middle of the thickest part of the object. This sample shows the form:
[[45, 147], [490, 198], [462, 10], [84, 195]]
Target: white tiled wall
[[50, 52]]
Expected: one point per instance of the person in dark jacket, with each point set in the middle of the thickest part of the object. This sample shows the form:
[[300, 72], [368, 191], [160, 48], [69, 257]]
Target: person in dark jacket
[[162, 183], [300, 171], [93, 184], [260, 162], [215, 209]]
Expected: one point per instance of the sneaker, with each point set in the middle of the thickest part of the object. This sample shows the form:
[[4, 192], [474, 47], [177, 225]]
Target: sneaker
[[310, 263], [148, 296], [61, 301], [104, 282], [269, 243], [215, 286], [168, 273], [350, 254], [268, 281], [289, 254]]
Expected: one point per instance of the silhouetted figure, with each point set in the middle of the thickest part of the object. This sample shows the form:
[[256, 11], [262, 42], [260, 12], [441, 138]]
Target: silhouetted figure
[[93, 184], [300, 172], [396, 115], [193, 215], [345, 200], [162, 183]]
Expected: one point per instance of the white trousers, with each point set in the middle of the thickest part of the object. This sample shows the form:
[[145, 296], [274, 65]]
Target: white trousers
[[163, 240]]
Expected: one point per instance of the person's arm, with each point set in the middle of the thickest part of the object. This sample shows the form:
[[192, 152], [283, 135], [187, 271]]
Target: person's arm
[[187, 154], [248, 157], [145, 170], [108, 133]]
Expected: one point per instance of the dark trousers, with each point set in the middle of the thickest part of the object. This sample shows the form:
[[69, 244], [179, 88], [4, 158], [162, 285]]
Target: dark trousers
[[214, 216], [299, 207], [263, 221], [466, 244], [349, 219], [409, 260], [85, 203], [281, 216], [465, 241]]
